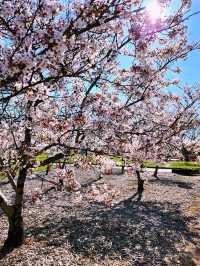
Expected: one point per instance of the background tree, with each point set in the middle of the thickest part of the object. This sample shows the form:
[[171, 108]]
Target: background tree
[[187, 142], [190, 148]]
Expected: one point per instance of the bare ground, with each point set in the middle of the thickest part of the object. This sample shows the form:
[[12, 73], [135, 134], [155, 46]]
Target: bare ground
[[160, 227]]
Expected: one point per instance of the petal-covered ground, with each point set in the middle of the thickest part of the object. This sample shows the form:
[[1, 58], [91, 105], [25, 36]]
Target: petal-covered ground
[[159, 227]]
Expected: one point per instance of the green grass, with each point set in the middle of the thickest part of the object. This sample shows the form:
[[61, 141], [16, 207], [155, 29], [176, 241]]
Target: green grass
[[70, 160], [150, 164], [119, 162], [173, 165], [39, 168], [117, 159], [42, 157], [185, 165]]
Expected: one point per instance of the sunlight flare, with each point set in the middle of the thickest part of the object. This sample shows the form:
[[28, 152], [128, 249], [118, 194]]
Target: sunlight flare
[[155, 11]]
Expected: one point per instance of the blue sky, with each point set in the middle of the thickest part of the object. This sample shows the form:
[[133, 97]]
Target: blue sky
[[191, 67]]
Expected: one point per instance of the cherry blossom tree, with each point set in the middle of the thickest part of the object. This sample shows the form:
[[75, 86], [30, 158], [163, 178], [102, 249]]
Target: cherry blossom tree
[[185, 139], [188, 144], [64, 87], [190, 147]]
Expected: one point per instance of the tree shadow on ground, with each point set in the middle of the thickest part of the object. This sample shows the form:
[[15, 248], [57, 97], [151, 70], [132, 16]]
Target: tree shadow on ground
[[1, 213], [3, 183], [171, 182], [143, 232]]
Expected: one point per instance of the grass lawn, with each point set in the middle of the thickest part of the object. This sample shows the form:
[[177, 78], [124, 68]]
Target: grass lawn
[[174, 165], [119, 162], [163, 165]]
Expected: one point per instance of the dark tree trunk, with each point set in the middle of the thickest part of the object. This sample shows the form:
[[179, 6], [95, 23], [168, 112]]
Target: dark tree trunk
[[156, 172], [15, 236], [186, 154], [48, 169], [100, 176], [140, 182], [141, 168], [63, 164], [123, 167], [16, 226]]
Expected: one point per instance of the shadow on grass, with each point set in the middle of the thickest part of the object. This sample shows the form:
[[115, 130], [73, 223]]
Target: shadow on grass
[[143, 232]]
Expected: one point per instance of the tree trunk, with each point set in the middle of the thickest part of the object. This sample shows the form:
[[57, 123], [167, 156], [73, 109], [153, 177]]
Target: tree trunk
[[15, 236], [186, 154], [15, 232], [140, 182], [123, 166], [48, 169], [156, 172], [16, 226], [63, 164]]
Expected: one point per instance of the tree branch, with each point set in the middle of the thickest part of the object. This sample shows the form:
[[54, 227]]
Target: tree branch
[[8, 210], [11, 180], [52, 159]]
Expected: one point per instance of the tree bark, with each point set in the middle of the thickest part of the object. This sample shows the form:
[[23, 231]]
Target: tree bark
[[11, 180], [156, 172], [186, 154], [123, 166], [48, 169], [8, 210], [63, 164], [16, 226], [140, 182], [15, 236]]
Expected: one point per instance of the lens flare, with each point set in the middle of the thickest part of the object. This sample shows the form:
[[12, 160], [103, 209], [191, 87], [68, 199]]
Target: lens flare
[[154, 10]]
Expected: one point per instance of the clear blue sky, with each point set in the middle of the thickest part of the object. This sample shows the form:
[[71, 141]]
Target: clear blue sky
[[191, 67]]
